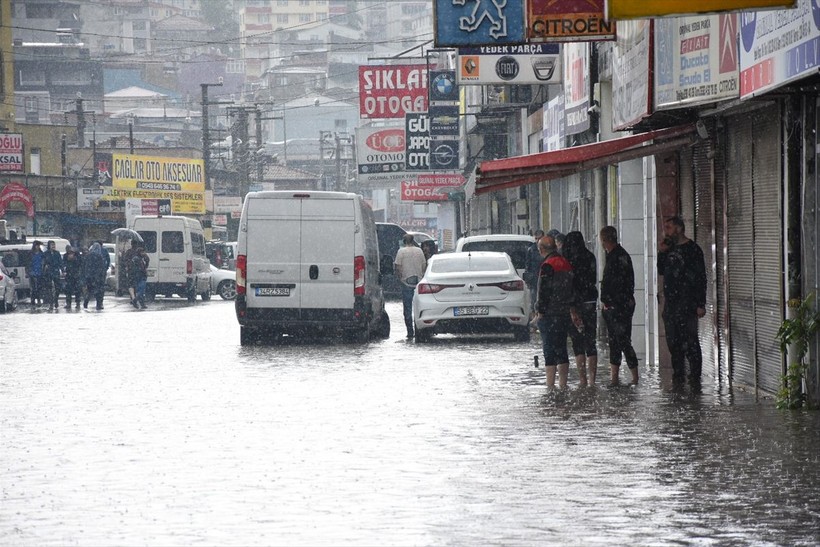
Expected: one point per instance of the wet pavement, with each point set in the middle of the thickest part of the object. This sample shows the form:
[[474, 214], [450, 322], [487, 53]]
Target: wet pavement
[[155, 427]]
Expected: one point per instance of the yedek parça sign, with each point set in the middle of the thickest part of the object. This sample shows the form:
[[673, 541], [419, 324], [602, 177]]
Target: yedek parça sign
[[392, 91]]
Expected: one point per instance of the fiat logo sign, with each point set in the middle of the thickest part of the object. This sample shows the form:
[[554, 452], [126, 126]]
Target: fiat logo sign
[[388, 140]]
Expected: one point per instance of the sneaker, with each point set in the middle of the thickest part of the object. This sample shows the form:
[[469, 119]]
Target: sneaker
[[77, 307], [135, 304], [99, 307], [142, 305]]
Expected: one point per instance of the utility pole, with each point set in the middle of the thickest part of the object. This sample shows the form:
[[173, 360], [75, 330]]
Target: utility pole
[[239, 146], [260, 165], [206, 135], [338, 181]]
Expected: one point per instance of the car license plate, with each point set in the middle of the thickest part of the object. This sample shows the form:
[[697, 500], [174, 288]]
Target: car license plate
[[272, 291], [471, 310]]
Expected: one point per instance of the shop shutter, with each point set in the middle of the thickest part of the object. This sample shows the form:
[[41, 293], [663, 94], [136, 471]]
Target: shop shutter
[[740, 249], [702, 159], [768, 246], [720, 259]]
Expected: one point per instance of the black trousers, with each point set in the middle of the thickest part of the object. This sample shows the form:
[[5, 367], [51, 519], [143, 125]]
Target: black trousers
[[683, 342], [619, 334]]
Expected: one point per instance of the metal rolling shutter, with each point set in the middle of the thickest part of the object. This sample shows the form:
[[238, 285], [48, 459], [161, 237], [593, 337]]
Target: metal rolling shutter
[[704, 236], [754, 247], [740, 249], [720, 261], [768, 240]]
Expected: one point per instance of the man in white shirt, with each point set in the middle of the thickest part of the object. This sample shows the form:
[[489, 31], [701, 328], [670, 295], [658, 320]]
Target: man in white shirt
[[409, 267]]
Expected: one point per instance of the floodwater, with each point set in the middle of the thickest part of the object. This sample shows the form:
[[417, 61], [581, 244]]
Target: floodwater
[[156, 427]]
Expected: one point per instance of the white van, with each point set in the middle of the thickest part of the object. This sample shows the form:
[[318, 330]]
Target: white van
[[308, 262], [176, 248]]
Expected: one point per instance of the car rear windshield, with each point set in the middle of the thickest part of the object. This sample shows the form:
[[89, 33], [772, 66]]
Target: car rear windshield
[[516, 250], [469, 264]]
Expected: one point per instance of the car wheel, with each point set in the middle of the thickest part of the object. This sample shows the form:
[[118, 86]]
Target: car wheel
[[522, 334], [226, 289], [423, 335]]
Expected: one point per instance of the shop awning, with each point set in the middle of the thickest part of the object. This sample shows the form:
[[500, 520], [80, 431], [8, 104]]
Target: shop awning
[[521, 170]]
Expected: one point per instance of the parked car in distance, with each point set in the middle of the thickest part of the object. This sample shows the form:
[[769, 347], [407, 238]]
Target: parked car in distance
[[515, 245], [223, 282], [8, 290], [471, 292], [420, 237]]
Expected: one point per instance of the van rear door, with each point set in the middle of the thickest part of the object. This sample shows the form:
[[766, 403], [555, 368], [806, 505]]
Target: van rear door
[[300, 253]]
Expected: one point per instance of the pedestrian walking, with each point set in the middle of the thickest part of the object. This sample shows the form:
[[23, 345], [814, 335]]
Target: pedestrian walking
[[35, 273], [618, 305], [95, 271], [681, 263], [125, 260], [555, 303], [559, 239], [584, 329], [52, 275], [138, 275], [73, 267], [532, 266], [409, 266]]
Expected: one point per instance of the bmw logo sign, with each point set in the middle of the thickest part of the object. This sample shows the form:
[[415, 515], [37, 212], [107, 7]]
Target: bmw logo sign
[[443, 84]]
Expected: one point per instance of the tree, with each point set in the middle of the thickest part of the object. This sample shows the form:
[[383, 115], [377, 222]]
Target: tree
[[226, 26]]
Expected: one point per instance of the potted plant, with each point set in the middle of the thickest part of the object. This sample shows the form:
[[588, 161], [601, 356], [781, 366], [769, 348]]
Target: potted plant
[[795, 334]]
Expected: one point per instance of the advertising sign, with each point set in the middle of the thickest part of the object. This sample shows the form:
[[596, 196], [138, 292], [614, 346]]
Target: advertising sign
[[11, 153], [443, 86], [630, 74], [392, 91], [636, 9], [525, 64], [778, 47], [417, 133], [443, 122], [16, 192], [227, 204], [148, 177], [478, 22], [444, 155], [380, 151], [568, 21], [413, 191], [553, 122], [695, 60], [576, 87]]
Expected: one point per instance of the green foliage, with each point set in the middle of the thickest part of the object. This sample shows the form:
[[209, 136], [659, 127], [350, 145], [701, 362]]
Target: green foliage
[[798, 332]]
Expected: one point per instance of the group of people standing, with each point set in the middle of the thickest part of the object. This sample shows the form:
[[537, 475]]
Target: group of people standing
[[562, 277], [85, 271]]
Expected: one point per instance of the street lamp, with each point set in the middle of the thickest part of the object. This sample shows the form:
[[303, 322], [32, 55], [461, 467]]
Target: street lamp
[[206, 137]]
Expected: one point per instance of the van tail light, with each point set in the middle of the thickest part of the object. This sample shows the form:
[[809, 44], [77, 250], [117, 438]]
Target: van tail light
[[241, 273], [433, 288], [517, 285], [189, 267], [358, 276]]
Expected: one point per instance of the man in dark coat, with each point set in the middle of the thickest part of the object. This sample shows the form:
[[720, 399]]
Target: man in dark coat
[[584, 332], [618, 305], [681, 263]]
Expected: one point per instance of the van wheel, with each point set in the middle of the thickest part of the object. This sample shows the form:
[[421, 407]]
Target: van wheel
[[383, 330], [358, 336]]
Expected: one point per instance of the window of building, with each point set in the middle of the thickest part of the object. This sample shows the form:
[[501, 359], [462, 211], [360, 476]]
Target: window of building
[[282, 18], [263, 18], [282, 3], [32, 76], [32, 110], [304, 2], [139, 25], [340, 124], [304, 18], [70, 76]]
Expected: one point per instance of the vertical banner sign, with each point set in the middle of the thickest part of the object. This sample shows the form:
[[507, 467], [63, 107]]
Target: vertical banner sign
[[443, 87], [568, 21], [380, 153], [695, 60], [630, 74], [443, 121], [392, 91], [417, 137], [553, 131], [576, 87], [444, 155], [11, 153], [478, 22], [778, 47]]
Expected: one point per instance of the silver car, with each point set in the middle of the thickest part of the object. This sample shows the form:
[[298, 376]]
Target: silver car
[[471, 292]]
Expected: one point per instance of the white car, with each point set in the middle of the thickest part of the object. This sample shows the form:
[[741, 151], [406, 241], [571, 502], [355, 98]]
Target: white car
[[223, 283], [8, 290], [471, 292]]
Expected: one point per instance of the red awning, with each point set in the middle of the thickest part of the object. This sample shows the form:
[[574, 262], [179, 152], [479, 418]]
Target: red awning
[[520, 170]]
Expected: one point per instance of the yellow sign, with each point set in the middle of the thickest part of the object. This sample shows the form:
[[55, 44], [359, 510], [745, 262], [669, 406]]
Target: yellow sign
[[182, 180], [637, 9]]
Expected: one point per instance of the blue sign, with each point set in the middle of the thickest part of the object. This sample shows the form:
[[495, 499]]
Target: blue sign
[[479, 22], [443, 86]]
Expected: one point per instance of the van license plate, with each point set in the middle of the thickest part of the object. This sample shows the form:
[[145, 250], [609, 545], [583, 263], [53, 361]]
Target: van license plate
[[272, 291], [471, 310]]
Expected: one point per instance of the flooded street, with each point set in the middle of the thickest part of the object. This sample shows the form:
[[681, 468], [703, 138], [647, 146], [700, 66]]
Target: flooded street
[[124, 427]]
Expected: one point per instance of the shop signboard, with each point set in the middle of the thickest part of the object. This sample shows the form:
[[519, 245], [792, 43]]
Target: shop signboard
[[526, 64], [478, 22], [392, 91]]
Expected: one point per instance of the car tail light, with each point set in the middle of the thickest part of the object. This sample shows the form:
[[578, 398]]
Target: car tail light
[[517, 285], [358, 276], [241, 273], [433, 288], [189, 267]]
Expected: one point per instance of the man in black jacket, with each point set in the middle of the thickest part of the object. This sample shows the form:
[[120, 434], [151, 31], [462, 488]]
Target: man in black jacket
[[618, 305], [681, 263]]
